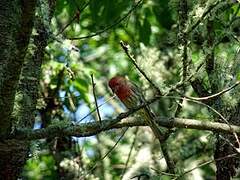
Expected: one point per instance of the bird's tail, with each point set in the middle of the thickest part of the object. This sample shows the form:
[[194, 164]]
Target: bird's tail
[[150, 119]]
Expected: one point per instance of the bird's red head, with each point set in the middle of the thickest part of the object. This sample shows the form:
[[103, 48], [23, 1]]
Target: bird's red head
[[116, 82], [120, 87]]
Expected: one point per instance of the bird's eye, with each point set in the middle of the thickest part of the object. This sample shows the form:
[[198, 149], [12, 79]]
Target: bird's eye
[[116, 88]]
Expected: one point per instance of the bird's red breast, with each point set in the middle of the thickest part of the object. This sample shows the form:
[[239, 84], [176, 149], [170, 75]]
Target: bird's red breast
[[120, 87]]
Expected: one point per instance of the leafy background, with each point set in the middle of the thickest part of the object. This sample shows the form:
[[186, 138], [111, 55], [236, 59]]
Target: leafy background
[[151, 30]]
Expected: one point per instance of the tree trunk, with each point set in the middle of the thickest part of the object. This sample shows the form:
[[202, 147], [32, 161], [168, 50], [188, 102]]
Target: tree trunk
[[16, 25]]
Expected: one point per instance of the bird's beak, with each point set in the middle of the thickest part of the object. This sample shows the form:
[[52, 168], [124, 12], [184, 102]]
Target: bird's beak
[[114, 91]]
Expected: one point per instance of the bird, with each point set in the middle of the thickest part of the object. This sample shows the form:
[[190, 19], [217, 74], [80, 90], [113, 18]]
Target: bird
[[131, 96]]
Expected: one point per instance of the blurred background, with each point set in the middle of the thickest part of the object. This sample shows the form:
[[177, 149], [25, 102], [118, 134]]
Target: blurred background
[[84, 40]]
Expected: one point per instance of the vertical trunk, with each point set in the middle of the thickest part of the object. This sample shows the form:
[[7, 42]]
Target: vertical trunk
[[17, 95], [15, 29], [227, 168], [13, 155]]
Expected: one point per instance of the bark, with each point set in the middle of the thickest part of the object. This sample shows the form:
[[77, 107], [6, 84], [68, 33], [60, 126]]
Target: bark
[[15, 30], [227, 168], [92, 128], [18, 83], [12, 158]]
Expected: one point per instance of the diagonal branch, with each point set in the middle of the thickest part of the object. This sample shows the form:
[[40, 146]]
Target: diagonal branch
[[126, 50], [214, 95], [74, 18], [210, 8], [110, 26], [95, 99]]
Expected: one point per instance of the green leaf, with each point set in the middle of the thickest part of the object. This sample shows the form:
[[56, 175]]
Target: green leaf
[[238, 76], [163, 14], [82, 86], [145, 32]]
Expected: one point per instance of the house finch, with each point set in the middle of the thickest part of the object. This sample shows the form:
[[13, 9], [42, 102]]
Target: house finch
[[131, 96]]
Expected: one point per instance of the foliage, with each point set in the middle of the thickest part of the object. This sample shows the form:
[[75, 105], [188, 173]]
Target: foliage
[[152, 32]]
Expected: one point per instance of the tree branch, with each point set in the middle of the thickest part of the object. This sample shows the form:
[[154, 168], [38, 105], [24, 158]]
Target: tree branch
[[118, 21], [93, 128], [126, 50], [208, 10]]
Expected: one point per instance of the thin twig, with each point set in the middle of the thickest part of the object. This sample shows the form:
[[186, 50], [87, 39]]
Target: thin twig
[[210, 8], [73, 19], [109, 27], [112, 148], [218, 113], [109, 151], [204, 164], [164, 173], [126, 50], [181, 83], [88, 114], [169, 160], [214, 95], [199, 102], [141, 175], [95, 99], [230, 143], [130, 152]]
